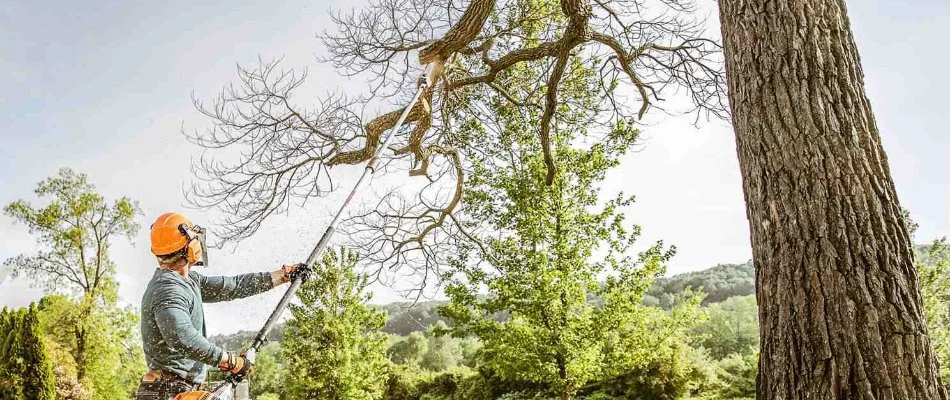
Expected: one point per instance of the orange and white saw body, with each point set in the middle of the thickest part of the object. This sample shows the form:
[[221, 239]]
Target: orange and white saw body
[[196, 395], [224, 391]]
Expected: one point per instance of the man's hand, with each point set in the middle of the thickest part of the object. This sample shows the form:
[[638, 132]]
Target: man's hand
[[237, 364], [283, 274]]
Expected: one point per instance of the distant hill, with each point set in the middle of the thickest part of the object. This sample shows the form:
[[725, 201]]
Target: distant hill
[[719, 283], [240, 340], [403, 319], [406, 317]]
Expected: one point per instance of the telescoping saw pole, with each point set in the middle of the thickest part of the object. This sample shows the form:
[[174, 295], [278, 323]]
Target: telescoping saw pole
[[317, 253]]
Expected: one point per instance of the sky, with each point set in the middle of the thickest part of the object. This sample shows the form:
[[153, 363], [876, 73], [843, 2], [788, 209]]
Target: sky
[[105, 88]]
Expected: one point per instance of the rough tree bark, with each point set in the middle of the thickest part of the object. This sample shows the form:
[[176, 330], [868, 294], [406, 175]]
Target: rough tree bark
[[839, 306]]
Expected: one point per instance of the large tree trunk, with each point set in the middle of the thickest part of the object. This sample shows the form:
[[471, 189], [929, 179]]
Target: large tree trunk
[[839, 306]]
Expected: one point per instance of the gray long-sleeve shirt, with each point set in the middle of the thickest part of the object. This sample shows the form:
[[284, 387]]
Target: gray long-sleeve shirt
[[173, 326]]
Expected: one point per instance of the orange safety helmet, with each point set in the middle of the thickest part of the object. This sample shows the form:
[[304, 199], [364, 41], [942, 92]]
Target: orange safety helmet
[[172, 233]]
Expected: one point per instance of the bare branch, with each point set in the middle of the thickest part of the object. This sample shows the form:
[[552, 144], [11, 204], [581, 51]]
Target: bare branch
[[279, 151]]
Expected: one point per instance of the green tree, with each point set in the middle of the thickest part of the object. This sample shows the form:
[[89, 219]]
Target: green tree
[[75, 227], [333, 344], [736, 377], [547, 248], [933, 267], [269, 374], [674, 372], [409, 351], [26, 371], [68, 386], [732, 326], [114, 360], [443, 352]]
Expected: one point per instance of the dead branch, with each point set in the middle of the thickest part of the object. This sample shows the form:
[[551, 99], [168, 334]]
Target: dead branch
[[278, 150]]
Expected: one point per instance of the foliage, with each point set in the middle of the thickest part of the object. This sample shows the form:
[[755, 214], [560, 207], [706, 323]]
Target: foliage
[[405, 318], [412, 383], [269, 373], [410, 350], [690, 370], [65, 372], [732, 326], [26, 370], [536, 262], [675, 371], [718, 283], [933, 268], [443, 352], [114, 361], [736, 376], [406, 382], [333, 344], [75, 228]]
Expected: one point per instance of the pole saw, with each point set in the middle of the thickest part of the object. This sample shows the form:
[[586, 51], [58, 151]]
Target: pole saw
[[225, 391]]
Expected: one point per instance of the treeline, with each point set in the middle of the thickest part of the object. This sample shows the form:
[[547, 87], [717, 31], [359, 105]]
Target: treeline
[[717, 283], [717, 355], [713, 357]]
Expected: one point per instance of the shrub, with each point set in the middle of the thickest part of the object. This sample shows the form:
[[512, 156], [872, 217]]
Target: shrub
[[679, 371], [26, 371]]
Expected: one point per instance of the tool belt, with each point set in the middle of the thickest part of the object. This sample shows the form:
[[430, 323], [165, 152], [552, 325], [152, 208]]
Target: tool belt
[[157, 375]]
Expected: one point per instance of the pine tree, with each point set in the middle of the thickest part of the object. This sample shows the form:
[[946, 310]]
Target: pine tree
[[11, 386], [38, 380], [26, 371]]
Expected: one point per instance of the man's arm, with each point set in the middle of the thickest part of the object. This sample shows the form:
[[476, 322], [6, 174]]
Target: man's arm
[[174, 323], [224, 288]]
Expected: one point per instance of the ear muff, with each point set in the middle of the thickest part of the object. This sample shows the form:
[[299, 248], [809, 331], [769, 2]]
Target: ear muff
[[194, 252]]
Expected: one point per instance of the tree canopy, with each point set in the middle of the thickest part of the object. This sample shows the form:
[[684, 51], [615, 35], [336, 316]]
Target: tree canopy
[[333, 345], [75, 228], [638, 53]]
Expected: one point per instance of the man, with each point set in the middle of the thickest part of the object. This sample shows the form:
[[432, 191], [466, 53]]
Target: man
[[173, 329]]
